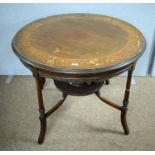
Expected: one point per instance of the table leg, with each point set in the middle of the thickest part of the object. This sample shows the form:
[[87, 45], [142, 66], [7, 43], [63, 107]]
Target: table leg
[[107, 82], [126, 102], [42, 80], [123, 108], [40, 83]]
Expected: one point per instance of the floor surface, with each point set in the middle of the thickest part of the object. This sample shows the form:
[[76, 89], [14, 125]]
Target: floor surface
[[82, 123]]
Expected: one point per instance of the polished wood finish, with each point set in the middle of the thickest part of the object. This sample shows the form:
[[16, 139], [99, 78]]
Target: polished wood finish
[[78, 41], [80, 52]]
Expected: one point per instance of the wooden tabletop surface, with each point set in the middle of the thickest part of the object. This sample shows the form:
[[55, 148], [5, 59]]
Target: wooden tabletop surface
[[78, 41]]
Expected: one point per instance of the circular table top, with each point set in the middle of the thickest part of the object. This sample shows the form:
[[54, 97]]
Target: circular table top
[[78, 42]]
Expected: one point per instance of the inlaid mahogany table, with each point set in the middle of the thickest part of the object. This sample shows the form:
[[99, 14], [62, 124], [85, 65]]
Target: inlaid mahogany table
[[80, 52]]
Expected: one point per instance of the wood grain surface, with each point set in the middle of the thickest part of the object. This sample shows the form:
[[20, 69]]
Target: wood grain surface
[[78, 41]]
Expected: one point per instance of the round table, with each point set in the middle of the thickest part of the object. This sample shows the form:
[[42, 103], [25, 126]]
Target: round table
[[80, 52]]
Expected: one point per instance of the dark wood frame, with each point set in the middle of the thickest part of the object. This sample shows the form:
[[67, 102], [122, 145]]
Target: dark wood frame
[[103, 74], [40, 77]]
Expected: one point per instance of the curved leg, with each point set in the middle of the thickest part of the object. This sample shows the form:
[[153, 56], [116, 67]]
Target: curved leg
[[123, 120], [125, 102], [54, 108], [42, 118], [110, 103], [40, 82]]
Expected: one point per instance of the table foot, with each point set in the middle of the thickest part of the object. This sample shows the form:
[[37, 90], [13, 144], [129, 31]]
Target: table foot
[[42, 126], [124, 121]]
